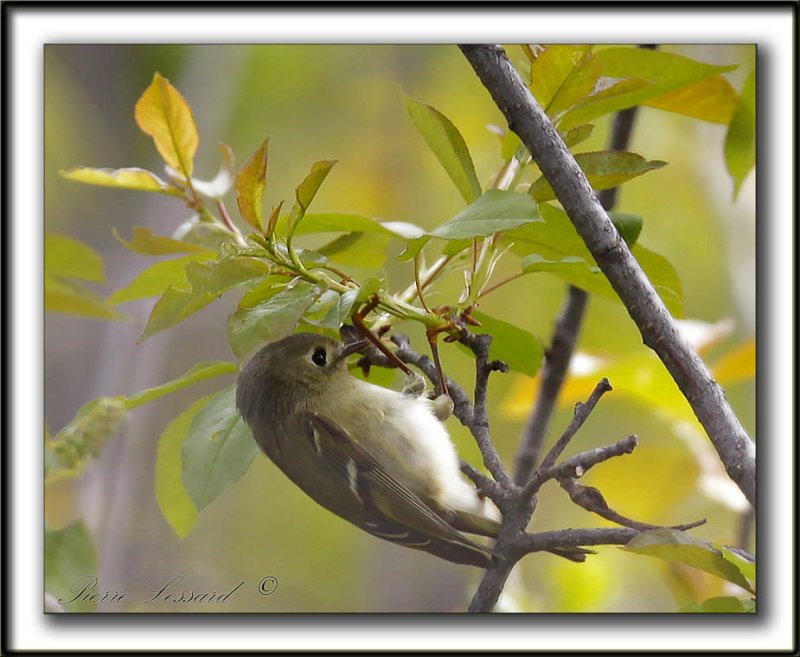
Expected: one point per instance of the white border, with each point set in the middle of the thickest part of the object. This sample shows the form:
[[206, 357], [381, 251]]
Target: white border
[[31, 27]]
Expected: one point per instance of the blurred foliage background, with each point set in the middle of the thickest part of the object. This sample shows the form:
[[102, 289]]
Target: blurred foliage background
[[344, 102]]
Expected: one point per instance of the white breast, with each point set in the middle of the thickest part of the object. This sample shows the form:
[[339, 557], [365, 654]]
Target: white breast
[[433, 452]]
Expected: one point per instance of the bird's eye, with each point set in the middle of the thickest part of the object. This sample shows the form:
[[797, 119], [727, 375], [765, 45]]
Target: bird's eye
[[319, 357]]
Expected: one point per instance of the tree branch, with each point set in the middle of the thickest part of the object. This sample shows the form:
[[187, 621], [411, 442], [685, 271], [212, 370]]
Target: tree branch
[[658, 330], [543, 541], [554, 371]]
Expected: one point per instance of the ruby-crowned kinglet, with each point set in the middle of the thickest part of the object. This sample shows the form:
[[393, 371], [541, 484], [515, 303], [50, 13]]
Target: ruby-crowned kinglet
[[379, 458]]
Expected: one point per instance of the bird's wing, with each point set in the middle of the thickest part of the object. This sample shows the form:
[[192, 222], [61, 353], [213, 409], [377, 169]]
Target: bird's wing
[[398, 514]]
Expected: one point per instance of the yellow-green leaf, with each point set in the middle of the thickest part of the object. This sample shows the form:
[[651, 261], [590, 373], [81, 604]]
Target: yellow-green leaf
[[712, 99], [250, 185], [65, 256], [740, 142], [129, 178], [563, 75], [62, 297], [208, 281], [158, 277], [163, 113], [175, 503], [641, 75], [518, 348], [145, 242], [680, 547], [173, 307], [447, 145], [576, 135]]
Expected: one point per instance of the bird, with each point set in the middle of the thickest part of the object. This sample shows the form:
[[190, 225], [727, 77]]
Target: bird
[[379, 458]]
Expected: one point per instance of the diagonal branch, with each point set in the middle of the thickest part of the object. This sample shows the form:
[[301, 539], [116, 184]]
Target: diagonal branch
[[659, 331]]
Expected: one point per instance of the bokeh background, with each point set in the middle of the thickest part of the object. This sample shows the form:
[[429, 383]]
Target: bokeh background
[[345, 103]]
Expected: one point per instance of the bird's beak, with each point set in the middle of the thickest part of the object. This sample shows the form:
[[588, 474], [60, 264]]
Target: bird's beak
[[351, 348]]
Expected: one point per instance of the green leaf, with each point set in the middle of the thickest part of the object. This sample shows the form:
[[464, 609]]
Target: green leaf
[[628, 225], [307, 190], [604, 169], [663, 277], [518, 348], [73, 299], [274, 318], [369, 287], [145, 242], [577, 135], [555, 239], [208, 281], [740, 142], [221, 275], [197, 373], [447, 145], [163, 113], [173, 307], [134, 178], [680, 547], [262, 290], [156, 278], [174, 501], [332, 309], [360, 249], [720, 605], [563, 75], [217, 450], [70, 561], [495, 211], [644, 74], [250, 186], [65, 256]]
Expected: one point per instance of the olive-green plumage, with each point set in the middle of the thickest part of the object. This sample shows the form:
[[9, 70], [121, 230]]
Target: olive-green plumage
[[378, 458]]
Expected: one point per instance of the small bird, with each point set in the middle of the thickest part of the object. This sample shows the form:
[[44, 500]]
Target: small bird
[[378, 458]]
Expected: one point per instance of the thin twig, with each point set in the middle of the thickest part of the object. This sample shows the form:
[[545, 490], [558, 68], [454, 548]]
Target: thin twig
[[581, 414], [592, 500], [578, 465], [226, 218], [419, 284]]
